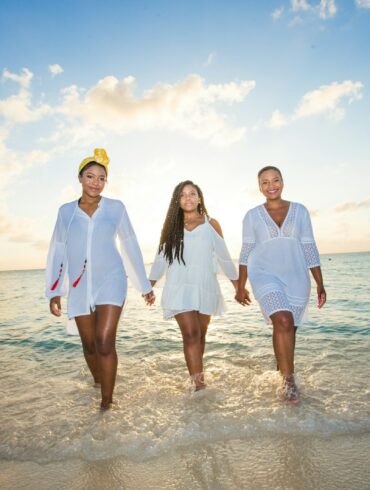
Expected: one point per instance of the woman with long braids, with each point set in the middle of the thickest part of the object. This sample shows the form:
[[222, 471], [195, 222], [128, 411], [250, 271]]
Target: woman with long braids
[[84, 243], [191, 245]]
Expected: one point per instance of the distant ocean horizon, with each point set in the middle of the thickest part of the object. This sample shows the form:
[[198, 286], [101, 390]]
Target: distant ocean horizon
[[148, 263], [235, 434]]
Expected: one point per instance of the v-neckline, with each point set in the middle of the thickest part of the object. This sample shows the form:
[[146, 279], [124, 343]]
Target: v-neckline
[[96, 210], [201, 224], [284, 220]]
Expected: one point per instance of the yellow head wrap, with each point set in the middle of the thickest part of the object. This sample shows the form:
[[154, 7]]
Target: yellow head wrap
[[100, 157]]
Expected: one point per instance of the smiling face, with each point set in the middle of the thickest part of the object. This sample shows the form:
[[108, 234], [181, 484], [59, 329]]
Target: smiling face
[[93, 180], [271, 184], [189, 199]]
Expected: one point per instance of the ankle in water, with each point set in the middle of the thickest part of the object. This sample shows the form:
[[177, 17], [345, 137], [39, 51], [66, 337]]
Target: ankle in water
[[289, 390], [197, 381]]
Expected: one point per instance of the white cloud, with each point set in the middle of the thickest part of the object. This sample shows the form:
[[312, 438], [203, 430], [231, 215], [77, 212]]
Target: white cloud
[[298, 5], [365, 4], [18, 108], [210, 59], [324, 9], [278, 120], [15, 229], [326, 98], [13, 163], [277, 13], [188, 106], [55, 69], [327, 9], [353, 206]]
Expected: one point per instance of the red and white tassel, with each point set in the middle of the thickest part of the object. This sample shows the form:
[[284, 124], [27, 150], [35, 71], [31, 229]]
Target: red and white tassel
[[53, 287], [80, 276]]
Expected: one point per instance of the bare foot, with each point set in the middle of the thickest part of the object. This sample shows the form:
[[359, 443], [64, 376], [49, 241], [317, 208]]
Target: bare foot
[[106, 404], [289, 390], [198, 380]]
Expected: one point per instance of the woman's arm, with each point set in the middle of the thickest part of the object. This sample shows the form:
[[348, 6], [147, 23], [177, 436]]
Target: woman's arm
[[132, 256], [321, 293], [56, 267], [222, 254]]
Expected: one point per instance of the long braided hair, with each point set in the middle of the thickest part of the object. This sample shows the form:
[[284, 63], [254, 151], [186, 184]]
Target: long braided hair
[[172, 234]]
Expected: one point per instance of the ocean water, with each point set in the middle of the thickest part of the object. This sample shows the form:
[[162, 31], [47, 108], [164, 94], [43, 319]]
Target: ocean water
[[234, 434]]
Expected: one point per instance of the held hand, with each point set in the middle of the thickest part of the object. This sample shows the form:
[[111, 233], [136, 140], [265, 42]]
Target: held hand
[[55, 306], [321, 296], [149, 298], [242, 297]]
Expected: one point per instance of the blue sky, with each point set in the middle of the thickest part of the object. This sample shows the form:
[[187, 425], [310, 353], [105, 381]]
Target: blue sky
[[210, 91]]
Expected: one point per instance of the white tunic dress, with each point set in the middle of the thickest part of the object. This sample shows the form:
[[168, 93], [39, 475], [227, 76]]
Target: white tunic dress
[[279, 260], [86, 248], [194, 286]]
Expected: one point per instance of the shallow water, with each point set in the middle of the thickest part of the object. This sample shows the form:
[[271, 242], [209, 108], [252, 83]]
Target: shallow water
[[49, 408]]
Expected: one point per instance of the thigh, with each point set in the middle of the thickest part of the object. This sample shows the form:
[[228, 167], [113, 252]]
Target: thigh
[[188, 322], [86, 325], [107, 318], [204, 322]]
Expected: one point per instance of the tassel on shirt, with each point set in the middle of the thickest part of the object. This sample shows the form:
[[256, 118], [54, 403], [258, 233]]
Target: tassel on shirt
[[53, 287], [80, 276]]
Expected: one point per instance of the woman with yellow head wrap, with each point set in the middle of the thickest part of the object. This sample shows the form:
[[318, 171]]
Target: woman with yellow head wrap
[[84, 244]]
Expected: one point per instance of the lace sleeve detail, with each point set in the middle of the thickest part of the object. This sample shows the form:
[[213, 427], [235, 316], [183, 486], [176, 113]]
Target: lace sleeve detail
[[245, 252], [311, 254]]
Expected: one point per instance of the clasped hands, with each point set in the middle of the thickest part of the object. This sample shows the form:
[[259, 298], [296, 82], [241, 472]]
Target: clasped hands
[[242, 296], [149, 298]]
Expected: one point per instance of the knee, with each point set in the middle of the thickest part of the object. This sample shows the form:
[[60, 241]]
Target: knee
[[284, 323], [191, 336], [105, 347], [89, 347]]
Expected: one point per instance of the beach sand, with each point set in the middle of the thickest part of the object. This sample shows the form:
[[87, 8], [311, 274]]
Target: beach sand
[[295, 462]]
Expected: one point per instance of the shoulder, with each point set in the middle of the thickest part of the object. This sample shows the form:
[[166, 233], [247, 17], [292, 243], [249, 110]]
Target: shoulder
[[215, 225], [252, 212], [114, 204], [300, 207], [67, 209]]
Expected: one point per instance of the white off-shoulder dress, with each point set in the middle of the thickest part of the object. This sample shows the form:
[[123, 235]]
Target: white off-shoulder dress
[[85, 250], [279, 259], [193, 286]]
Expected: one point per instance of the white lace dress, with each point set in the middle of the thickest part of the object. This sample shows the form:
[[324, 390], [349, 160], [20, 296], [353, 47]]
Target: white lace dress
[[194, 286], [279, 260]]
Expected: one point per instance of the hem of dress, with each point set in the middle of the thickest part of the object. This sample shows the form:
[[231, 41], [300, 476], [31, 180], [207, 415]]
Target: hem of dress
[[172, 316], [70, 317], [268, 319]]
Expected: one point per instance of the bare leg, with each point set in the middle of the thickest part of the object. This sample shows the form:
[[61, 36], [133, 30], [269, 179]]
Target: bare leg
[[107, 318], [86, 328], [204, 322], [273, 341], [284, 343], [190, 326]]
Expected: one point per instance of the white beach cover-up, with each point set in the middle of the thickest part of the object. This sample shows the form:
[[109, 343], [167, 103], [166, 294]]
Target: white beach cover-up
[[278, 260], [86, 248], [194, 286]]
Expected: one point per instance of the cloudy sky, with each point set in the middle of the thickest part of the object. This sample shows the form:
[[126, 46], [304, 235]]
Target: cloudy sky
[[203, 90]]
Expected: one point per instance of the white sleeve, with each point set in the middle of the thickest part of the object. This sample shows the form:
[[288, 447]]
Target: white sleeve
[[131, 255], [249, 241], [222, 256], [56, 265], [308, 241], [159, 267]]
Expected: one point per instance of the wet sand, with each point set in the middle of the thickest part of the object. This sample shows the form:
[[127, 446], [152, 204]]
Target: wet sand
[[279, 463]]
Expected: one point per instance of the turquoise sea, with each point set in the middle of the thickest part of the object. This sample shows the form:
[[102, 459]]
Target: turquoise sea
[[160, 435]]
